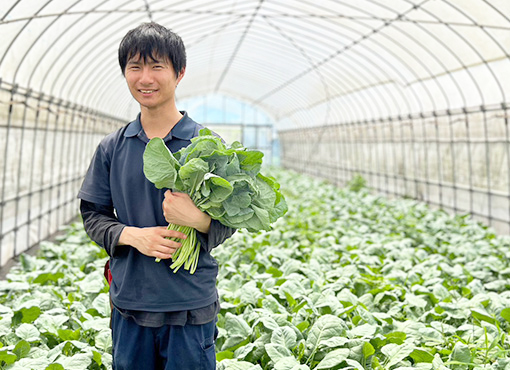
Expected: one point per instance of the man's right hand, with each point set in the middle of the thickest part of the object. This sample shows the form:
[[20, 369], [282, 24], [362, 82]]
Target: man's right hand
[[152, 241]]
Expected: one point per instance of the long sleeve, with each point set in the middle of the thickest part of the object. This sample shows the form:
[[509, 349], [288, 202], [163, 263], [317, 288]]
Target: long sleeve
[[217, 234], [101, 225]]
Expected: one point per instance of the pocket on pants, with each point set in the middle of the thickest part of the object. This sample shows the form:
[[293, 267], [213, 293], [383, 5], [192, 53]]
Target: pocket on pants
[[208, 360]]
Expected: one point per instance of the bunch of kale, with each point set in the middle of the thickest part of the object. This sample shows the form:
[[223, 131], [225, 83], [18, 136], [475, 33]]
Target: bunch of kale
[[224, 181]]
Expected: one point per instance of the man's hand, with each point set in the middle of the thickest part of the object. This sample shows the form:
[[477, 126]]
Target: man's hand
[[151, 241], [179, 209]]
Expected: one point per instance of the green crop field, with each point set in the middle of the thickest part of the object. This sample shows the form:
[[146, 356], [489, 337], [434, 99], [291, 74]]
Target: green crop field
[[347, 279]]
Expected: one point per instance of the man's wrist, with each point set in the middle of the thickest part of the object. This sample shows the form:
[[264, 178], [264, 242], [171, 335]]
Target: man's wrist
[[204, 223], [126, 236]]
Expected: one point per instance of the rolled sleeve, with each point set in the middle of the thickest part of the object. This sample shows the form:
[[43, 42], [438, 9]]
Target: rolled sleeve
[[217, 234]]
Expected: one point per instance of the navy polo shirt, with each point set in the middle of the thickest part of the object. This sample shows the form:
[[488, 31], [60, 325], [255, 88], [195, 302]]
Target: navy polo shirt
[[115, 178]]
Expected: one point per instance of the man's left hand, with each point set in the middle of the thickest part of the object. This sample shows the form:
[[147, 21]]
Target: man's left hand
[[179, 209]]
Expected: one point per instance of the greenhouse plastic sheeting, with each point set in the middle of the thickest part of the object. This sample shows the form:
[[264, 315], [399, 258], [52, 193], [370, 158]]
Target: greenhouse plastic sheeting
[[411, 94], [306, 62]]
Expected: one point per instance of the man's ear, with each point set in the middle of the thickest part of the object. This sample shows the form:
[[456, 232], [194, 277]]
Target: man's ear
[[181, 75]]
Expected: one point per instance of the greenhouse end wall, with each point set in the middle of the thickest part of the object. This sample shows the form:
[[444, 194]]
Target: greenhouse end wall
[[454, 160]]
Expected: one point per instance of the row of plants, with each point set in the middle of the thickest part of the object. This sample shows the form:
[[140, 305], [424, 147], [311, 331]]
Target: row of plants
[[347, 279], [352, 280], [54, 307]]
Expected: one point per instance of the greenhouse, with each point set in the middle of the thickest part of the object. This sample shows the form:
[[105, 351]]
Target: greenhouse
[[373, 136]]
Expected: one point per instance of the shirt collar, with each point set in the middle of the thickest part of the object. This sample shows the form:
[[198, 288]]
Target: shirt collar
[[183, 129]]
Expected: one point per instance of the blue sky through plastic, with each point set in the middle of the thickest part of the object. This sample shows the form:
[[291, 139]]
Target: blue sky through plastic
[[227, 116]]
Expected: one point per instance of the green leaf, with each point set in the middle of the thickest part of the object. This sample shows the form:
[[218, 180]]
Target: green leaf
[[396, 337], [96, 356], [285, 337], [395, 353], [422, 355], [48, 277], [55, 366], [482, 315], [288, 363], [29, 315], [66, 334], [368, 350], [78, 361], [277, 351], [505, 314], [103, 340], [326, 327], [220, 356], [159, 165], [219, 188], [7, 357], [334, 358], [192, 174], [236, 325], [21, 349], [461, 353], [365, 330], [28, 332]]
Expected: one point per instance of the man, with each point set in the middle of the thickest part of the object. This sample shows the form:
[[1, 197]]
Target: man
[[160, 319]]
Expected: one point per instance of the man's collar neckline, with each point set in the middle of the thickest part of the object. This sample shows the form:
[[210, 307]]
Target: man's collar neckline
[[182, 129]]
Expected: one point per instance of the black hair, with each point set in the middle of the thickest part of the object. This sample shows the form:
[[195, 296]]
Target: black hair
[[152, 40]]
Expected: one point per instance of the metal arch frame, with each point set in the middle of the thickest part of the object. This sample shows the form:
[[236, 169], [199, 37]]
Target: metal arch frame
[[332, 56], [238, 46], [502, 91], [355, 42], [105, 71], [22, 29], [47, 52], [77, 65], [155, 11], [354, 86], [36, 40]]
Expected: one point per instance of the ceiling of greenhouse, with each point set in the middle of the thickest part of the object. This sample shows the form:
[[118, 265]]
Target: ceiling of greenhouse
[[303, 62]]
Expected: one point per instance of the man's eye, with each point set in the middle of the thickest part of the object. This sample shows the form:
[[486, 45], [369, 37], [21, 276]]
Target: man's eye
[[157, 66]]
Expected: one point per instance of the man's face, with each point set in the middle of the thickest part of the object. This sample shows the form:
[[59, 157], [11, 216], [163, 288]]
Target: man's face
[[152, 83]]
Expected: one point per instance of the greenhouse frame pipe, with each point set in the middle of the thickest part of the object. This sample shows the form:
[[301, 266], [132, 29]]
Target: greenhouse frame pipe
[[41, 34], [86, 42], [484, 61], [20, 156], [77, 66], [507, 151], [310, 62], [55, 41], [90, 65], [464, 67], [32, 168], [55, 182], [329, 58], [4, 174], [488, 164], [237, 47], [21, 31]]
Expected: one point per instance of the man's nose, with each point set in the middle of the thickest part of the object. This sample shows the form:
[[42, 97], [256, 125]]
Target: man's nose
[[146, 77]]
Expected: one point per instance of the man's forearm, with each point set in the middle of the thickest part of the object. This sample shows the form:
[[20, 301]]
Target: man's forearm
[[101, 225]]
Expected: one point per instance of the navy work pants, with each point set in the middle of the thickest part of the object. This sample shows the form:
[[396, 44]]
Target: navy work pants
[[170, 347]]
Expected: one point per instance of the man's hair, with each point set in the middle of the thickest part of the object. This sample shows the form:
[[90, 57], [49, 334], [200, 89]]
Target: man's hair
[[152, 40]]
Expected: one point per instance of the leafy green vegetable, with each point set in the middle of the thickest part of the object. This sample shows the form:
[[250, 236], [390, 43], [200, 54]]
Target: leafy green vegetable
[[223, 181], [367, 282]]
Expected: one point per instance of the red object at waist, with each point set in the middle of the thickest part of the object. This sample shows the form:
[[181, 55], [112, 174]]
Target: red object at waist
[[108, 273]]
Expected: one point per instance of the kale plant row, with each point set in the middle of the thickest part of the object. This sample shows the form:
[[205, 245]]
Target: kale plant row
[[346, 280]]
